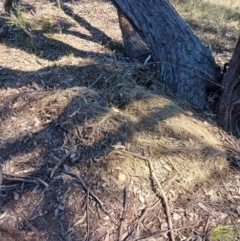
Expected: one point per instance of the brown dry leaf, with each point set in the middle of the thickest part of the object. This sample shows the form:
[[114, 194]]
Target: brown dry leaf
[[164, 226], [164, 235], [213, 195], [201, 205], [37, 122], [106, 218], [135, 190], [80, 220], [230, 197]]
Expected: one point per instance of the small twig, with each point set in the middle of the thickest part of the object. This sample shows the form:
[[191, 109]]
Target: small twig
[[79, 179], [61, 161], [135, 155], [87, 210], [41, 181], [205, 229], [24, 178], [200, 205], [8, 187], [123, 213], [140, 220], [84, 186], [62, 229], [160, 188], [17, 179], [164, 200]]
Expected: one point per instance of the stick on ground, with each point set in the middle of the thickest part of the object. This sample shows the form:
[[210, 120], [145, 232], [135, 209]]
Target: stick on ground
[[79, 179], [61, 161], [160, 188], [123, 213]]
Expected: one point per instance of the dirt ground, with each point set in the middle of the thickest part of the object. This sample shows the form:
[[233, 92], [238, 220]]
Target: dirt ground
[[94, 147]]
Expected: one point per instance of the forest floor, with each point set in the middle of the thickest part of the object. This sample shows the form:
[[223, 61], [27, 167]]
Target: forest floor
[[94, 147]]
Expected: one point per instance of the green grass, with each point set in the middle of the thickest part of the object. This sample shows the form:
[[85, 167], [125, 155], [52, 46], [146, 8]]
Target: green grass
[[223, 232]]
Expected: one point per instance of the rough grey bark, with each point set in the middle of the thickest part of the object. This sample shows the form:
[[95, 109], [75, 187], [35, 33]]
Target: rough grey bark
[[185, 64], [134, 46], [229, 107]]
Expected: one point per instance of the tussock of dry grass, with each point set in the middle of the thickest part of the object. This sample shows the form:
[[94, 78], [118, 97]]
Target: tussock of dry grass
[[178, 141]]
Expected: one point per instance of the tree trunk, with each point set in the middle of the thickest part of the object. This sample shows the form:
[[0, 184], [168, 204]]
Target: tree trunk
[[185, 64], [134, 46], [229, 107]]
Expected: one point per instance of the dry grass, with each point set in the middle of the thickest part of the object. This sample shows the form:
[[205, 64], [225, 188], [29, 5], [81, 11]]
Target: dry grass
[[181, 142], [216, 23], [221, 17]]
